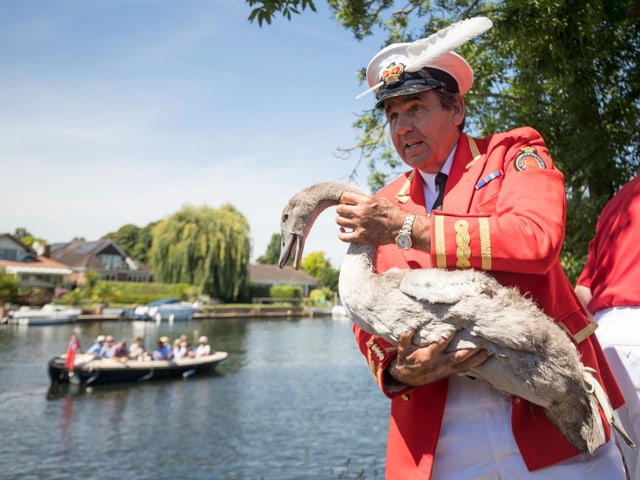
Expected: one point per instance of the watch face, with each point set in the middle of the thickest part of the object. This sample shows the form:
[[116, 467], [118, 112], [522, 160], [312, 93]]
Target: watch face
[[403, 241]]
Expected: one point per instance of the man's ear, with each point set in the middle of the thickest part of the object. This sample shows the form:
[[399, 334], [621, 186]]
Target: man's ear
[[459, 110]]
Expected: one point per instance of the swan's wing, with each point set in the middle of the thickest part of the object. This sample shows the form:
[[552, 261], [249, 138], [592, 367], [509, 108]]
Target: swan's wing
[[433, 285], [498, 318]]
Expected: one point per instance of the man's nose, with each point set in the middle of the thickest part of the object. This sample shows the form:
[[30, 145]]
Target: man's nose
[[404, 124]]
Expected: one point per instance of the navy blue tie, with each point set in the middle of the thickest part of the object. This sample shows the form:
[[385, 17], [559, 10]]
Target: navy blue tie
[[441, 179]]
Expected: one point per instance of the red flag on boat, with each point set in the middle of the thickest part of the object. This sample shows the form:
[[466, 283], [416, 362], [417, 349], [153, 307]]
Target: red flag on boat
[[74, 346]]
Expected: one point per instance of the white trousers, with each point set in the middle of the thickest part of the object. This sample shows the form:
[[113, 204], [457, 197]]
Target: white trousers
[[619, 334], [476, 442]]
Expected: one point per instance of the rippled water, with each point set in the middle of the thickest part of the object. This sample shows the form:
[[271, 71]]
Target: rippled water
[[294, 400]]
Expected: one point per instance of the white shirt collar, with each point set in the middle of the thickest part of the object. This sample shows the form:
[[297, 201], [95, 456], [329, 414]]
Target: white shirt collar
[[429, 180]]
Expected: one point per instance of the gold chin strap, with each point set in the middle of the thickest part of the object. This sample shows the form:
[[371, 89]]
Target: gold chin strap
[[403, 196]]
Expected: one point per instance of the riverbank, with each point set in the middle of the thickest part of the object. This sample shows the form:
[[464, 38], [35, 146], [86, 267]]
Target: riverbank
[[212, 312]]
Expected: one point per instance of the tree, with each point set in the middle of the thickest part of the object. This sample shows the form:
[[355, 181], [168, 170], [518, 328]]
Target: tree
[[567, 68], [8, 288], [318, 266], [205, 247], [272, 255], [266, 10], [27, 238], [136, 241]]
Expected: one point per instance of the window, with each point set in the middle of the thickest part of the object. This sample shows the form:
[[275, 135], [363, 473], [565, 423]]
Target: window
[[113, 262], [8, 254]]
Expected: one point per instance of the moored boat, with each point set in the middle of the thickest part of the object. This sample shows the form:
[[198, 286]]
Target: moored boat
[[89, 370], [166, 309], [49, 314]]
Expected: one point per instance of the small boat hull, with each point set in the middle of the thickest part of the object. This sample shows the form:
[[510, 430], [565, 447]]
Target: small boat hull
[[47, 315], [90, 371]]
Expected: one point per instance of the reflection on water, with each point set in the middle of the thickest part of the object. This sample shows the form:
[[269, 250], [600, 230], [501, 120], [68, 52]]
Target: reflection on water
[[294, 400]]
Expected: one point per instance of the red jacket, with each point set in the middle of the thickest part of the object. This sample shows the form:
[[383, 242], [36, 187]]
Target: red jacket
[[612, 271], [512, 224]]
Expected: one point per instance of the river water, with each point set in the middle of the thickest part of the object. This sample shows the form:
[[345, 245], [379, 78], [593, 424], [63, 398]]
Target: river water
[[294, 400]]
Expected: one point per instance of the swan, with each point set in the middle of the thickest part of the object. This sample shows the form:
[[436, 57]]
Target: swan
[[532, 356]]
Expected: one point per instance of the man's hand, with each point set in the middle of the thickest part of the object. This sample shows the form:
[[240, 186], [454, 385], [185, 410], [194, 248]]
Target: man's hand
[[368, 220], [415, 366]]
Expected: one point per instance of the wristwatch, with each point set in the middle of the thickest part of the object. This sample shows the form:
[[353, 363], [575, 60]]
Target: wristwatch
[[403, 239]]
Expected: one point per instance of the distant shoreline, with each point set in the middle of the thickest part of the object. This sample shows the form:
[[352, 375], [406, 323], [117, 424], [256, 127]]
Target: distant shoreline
[[230, 312]]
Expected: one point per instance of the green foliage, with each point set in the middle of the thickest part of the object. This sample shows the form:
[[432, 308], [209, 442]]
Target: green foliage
[[104, 292], [27, 238], [330, 278], [128, 293], [285, 291], [318, 266], [315, 263], [320, 296], [272, 255], [91, 280], [134, 240], [256, 291], [205, 247], [567, 68], [73, 297], [8, 288], [267, 9]]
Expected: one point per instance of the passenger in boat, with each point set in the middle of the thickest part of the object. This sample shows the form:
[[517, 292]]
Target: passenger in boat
[[96, 348], [203, 349], [136, 350], [163, 350], [184, 340], [109, 347], [121, 352], [182, 348]]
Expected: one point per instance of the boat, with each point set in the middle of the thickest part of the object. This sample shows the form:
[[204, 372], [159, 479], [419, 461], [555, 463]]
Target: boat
[[166, 309], [338, 312], [89, 370], [49, 314]]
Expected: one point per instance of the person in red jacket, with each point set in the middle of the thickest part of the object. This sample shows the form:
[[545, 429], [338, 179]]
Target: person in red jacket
[[503, 210], [608, 287]]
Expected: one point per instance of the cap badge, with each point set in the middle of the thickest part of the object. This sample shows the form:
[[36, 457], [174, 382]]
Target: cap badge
[[528, 159], [392, 73]]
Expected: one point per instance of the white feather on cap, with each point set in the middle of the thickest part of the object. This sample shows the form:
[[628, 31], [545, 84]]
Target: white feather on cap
[[433, 51]]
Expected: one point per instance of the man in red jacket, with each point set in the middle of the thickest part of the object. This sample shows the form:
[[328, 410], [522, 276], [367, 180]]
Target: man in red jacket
[[608, 287], [503, 210]]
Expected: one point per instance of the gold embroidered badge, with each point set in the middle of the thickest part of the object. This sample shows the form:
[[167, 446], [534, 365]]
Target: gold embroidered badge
[[528, 159], [392, 73]]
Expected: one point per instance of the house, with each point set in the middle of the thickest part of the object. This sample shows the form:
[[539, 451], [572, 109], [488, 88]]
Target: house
[[102, 256], [35, 272], [270, 275]]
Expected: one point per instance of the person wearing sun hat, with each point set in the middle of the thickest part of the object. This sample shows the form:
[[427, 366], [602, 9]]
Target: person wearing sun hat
[[203, 349], [96, 348], [495, 203], [163, 351]]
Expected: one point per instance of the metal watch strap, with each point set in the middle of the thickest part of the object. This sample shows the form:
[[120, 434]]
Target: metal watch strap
[[403, 239]]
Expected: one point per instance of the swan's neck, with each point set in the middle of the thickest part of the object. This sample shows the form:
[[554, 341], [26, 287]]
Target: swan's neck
[[359, 259]]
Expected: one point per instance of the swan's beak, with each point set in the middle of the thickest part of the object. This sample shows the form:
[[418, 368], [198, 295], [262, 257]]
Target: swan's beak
[[290, 244]]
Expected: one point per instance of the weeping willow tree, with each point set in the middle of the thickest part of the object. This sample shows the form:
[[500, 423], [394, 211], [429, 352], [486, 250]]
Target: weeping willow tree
[[205, 247]]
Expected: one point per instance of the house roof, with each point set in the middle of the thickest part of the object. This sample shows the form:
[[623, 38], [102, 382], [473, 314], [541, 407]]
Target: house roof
[[32, 263], [80, 254], [41, 265], [265, 274], [30, 251]]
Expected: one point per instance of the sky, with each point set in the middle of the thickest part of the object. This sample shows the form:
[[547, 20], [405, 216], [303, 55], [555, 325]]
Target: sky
[[116, 112]]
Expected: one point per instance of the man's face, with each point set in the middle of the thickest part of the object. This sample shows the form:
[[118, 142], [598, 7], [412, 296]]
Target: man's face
[[422, 132]]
